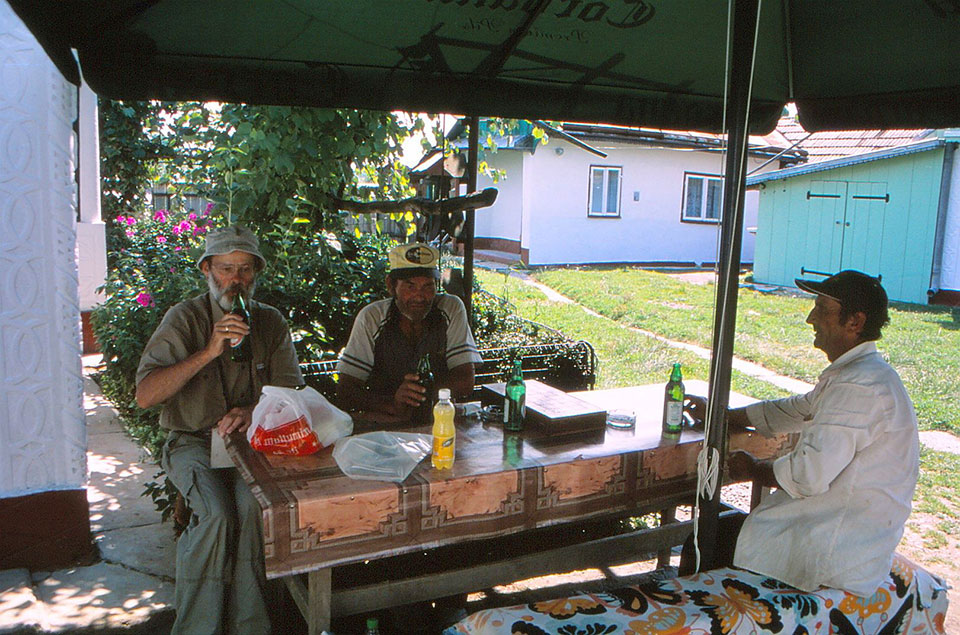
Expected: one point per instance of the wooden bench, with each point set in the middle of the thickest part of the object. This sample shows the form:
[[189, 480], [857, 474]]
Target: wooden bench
[[567, 366], [729, 601]]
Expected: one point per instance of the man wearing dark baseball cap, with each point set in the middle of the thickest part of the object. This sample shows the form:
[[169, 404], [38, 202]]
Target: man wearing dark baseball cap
[[378, 366], [845, 491], [187, 368]]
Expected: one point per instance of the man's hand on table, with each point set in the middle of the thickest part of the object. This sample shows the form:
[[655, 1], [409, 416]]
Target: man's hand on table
[[238, 418], [695, 407]]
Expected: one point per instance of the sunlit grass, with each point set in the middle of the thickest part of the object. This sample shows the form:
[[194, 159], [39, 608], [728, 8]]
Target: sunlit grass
[[921, 342]]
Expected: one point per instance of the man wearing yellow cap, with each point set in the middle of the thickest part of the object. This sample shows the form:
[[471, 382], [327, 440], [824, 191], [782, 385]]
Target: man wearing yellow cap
[[378, 366]]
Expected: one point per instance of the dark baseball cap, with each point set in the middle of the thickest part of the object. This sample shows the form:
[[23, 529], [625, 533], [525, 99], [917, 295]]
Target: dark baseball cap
[[854, 290]]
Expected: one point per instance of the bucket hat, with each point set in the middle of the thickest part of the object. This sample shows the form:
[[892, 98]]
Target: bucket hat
[[233, 238]]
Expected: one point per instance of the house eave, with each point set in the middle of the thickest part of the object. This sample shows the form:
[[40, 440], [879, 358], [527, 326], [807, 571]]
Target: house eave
[[866, 157]]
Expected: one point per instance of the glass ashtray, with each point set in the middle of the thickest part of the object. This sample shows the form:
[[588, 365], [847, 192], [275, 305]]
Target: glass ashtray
[[624, 419], [492, 414]]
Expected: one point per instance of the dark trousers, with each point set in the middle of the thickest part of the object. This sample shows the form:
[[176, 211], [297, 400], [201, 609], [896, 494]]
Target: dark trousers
[[727, 533]]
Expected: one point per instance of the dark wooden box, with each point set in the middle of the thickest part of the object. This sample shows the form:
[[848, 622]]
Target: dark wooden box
[[551, 410]]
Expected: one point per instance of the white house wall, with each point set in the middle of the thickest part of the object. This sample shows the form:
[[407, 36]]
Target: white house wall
[[950, 263], [42, 431], [553, 195], [504, 218]]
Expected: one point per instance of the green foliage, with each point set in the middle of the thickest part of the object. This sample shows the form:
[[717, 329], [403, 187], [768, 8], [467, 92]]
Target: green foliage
[[275, 169]]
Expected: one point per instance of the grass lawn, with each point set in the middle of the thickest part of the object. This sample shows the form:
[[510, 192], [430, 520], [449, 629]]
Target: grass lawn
[[921, 342]]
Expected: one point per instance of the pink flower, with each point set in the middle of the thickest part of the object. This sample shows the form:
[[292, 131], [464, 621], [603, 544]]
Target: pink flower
[[176, 229], [160, 215], [131, 220], [130, 233], [120, 219], [192, 216], [161, 239], [144, 299], [209, 208], [177, 248], [173, 269]]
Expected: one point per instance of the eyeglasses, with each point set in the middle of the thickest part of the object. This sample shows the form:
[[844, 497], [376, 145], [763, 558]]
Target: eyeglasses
[[229, 270]]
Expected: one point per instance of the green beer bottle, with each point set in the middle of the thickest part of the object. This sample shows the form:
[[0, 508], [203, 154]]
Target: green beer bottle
[[673, 402], [424, 412], [515, 400], [241, 350]]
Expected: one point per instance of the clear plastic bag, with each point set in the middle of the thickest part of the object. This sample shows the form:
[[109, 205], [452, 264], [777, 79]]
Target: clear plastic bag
[[296, 422], [382, 455]]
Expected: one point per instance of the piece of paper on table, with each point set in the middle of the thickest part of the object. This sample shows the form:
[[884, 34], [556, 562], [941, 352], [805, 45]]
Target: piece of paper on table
[[218, 451]]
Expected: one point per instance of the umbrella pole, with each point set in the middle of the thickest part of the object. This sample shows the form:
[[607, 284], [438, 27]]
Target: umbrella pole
[[744, 14], [473, 166]]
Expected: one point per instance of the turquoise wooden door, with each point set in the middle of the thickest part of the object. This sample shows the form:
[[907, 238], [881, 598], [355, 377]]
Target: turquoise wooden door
[[823, 246], [864, 226]]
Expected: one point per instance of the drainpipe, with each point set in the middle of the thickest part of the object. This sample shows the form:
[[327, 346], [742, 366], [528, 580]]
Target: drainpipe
[[943, 206]]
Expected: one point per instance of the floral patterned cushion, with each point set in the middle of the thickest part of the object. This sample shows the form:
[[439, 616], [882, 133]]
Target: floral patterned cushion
[[729, 601]]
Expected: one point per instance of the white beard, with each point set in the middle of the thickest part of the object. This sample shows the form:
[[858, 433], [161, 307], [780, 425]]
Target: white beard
[[218, 293]]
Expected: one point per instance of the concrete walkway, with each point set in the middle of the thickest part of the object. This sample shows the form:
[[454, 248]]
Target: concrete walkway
[[131, 589]]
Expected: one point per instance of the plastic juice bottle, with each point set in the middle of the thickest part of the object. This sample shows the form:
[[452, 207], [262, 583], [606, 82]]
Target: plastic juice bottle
[[444, 433]]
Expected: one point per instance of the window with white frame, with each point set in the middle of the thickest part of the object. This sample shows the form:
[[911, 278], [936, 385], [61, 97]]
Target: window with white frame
[[604, 191], [702, 198]]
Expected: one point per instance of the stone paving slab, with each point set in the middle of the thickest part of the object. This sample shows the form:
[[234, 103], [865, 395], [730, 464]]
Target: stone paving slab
[[150, 549], [20, 610], [103, 597]]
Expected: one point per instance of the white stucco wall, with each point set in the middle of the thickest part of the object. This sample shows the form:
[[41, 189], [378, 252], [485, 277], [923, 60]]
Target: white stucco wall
[[91, 232], [503, 218], [42, 431], [950, 263], [554, 203]]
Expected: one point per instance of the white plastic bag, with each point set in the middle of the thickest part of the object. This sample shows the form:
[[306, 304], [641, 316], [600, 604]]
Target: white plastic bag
[[382, 455], [297, 422]]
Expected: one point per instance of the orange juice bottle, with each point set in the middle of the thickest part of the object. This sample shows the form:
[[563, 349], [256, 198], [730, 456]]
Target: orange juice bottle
[[444, 434]]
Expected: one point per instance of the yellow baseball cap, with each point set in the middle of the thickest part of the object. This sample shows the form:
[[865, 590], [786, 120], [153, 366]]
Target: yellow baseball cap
[[414, 259]]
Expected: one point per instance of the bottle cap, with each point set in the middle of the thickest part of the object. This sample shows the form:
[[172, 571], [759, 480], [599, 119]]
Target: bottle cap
[[443, 393]]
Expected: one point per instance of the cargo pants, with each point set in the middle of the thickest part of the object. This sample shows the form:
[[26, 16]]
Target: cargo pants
[[220, 571]]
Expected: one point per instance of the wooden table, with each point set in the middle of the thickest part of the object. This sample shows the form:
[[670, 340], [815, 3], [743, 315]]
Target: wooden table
[[316, 518]]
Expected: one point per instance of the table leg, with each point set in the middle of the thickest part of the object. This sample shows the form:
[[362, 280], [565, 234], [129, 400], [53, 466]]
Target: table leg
[[318, 601], [667, 516]]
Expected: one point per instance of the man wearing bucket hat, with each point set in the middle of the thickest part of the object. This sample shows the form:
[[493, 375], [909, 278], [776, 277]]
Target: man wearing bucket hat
[[378, 366], [845, 490], [186, 367]]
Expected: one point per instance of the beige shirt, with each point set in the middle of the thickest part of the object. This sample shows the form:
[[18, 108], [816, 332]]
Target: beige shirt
[[846, 488], [221, 384]]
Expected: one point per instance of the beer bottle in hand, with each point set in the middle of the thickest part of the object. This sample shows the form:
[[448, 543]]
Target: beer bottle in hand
[[424, 412], [673, 402], [241, 350], [515, 400]]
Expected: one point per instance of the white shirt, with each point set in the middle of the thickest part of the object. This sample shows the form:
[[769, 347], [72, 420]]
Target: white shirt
[[847, 486]]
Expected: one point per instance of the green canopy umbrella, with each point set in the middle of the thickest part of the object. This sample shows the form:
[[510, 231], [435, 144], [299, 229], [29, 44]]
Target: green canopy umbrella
[[688, 64], [847, 64]]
